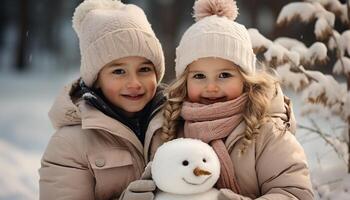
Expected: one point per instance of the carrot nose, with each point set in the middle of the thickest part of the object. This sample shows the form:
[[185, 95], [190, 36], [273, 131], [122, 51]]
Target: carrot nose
[[199, 172]]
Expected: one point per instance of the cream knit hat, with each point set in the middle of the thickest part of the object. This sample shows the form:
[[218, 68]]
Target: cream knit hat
[[215, 34], [109, 30]]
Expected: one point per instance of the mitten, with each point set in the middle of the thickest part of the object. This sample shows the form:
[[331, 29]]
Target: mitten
[[140, 189], [227, 194]]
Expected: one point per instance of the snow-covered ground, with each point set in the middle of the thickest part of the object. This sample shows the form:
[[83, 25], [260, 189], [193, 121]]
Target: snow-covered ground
[[25, 130]]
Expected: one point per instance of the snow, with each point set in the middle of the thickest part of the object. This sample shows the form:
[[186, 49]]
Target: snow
[[327, 151], [321, 12], [342, 66], [322, 28], [333, 41], [345, 41], [283, 49], [17, 170], [328, 170], [288, 78], [305, 11], [347, 105], [275, 51], [316, 53], [25, 130], [336, 7], [341, 41], [258, 39], [326, 91], [291, 44]]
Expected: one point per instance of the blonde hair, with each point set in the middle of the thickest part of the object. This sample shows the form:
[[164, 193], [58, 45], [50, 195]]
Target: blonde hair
[[258, 86], [175, 93]]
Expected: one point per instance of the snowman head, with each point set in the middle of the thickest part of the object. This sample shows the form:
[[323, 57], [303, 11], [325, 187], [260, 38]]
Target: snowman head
[[185, 166]]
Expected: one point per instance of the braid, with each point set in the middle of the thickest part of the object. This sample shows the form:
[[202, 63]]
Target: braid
[[171, 113], [258, 87], [176, 93]]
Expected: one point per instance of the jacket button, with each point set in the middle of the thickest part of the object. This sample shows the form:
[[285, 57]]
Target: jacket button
[[288, 124], [100, 162]]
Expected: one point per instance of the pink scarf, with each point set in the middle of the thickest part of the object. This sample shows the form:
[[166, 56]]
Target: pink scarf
[[212, 124]]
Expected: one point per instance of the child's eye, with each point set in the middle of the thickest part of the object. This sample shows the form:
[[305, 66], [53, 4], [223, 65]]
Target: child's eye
[[199, 76], [119, 71], [225, 75], [146, 69]]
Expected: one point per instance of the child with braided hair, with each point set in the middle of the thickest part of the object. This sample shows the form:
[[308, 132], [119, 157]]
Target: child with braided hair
[[221, 98]]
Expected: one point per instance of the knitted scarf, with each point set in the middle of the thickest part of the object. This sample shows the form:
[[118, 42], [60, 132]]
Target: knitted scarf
[[212, 124]]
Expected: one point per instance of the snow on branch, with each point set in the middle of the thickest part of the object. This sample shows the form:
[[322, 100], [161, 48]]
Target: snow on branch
[[260, 42], [341, 42], [336, 7], [306, 12], [315, 54], [285, 49], [342, 66], [327, 91], [273, 52], [347, 106], [291, 79]]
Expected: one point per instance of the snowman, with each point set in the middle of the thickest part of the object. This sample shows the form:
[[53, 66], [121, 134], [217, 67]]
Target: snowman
[[185, 169]]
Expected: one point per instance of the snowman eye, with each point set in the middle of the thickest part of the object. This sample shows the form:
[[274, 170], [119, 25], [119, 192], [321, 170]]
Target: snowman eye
[[204, 160], [185, 163]]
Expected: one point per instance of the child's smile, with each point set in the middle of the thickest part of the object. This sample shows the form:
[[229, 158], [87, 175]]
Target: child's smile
[[211, 100], [133, 97]]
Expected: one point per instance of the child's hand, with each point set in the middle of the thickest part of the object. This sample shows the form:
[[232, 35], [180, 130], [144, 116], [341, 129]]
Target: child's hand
[[147, 175], [140, 189], [227, 194]]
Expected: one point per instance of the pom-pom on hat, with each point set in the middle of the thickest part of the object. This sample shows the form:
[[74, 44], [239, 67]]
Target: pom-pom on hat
[[215, 34], [109, 30]]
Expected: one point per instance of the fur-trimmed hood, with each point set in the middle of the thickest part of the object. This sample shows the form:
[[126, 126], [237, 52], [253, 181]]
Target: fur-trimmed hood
[[64, 111]]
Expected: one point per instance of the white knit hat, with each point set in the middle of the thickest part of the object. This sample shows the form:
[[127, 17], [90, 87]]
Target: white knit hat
[[109, 30], [215, 34]]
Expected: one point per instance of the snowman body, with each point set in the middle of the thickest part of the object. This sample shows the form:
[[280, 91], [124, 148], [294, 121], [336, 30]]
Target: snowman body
[[211, 194], [185, 169]]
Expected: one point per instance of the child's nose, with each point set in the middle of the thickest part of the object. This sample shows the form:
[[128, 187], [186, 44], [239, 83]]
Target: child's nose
[[212, 87], [134, 82]]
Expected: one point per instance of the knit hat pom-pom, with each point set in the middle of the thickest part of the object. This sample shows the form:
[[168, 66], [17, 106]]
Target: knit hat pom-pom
[[204, 8], [88, 5]]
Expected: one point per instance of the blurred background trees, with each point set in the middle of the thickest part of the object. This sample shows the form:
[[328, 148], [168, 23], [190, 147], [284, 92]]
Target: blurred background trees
[[36, 35]]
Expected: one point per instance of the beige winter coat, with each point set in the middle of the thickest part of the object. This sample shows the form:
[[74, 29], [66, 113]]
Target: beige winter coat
[[91, 156], [273, 166]]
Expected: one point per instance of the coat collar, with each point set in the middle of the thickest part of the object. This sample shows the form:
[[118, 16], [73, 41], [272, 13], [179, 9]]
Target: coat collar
[[91, 118], [94, 119], [65, 112]]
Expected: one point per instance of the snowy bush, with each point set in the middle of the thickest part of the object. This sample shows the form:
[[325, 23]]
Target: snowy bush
[[296, 65]]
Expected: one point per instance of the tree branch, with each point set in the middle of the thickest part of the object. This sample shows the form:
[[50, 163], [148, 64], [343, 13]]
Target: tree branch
[[297, 68], [324, 136]]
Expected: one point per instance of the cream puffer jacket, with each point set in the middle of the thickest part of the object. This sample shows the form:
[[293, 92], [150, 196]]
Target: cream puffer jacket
[[274, 165], [92, 156]]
